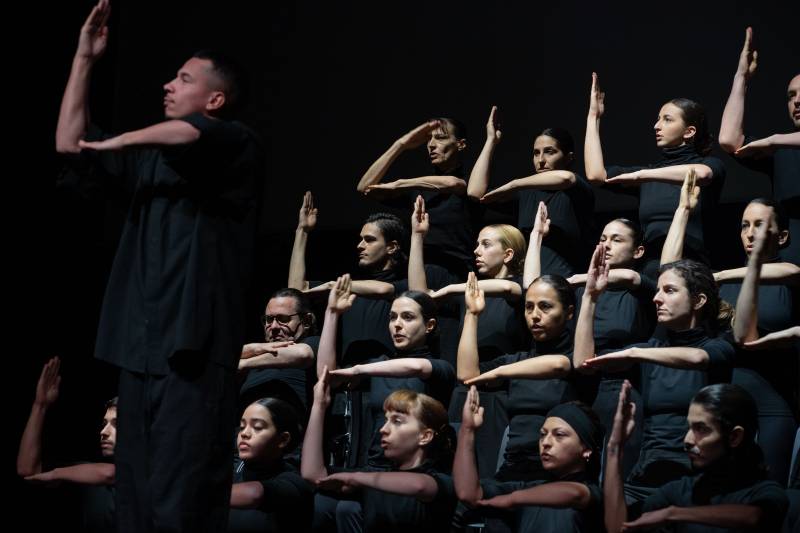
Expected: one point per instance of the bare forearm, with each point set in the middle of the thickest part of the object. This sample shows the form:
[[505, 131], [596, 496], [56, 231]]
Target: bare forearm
[[372, 288], [778, 273], [541, 367], [29, 455], [532, 268], [614, 507], [729, 515], [312, 464], [683, 357], [73, 117], [420, 486], [593, 152], [417, 279], [467, 361], [785, 140], [297, 263], [451, 184], [584, 332], [465, 472], [296, 356], [87, 474], [731, 130], [479, 177], [402, 367], [491, 287], [673, 244], [676, 174], [551, 180], [378, 169], [247, 495], [326, 354], [556, 494], [171, 132], [745, 327]]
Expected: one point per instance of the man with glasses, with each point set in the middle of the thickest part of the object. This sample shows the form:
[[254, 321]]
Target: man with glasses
[[278, 367]]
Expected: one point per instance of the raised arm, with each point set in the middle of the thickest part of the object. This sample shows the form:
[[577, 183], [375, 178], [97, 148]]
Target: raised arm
[[306, 222], [410, 140], [615, 509], [479, 177], [312, 462], [339, 301], [532, 268], [467, 359], [673, 244], [592, 148], [731, 130], [29, 455], [745, 327], [420, 224], [465, 470], [73, 117], [596, 283]]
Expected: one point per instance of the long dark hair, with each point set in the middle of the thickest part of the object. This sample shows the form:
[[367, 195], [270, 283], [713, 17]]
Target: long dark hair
[[284, 418], [695, 115]]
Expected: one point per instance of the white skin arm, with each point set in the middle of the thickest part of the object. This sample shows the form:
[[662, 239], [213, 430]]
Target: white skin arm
[[673, 244], [420, 225], [29, 456], [306, 222], [479, 177], [467, 358], [410, 140], [532, 268], [73, 117], [592, 148], [731, 130]]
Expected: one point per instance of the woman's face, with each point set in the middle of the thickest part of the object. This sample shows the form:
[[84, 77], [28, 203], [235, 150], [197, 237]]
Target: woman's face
[[407, 326], [544, 313], [548, 156], [671, 129], [756, 215], [402, 436], [490, 256], [444, 148], [620, 249], [560, 448], [675, 307], [258, 438]]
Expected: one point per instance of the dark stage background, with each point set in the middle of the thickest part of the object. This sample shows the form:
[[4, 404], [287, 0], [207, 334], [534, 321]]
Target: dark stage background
[[334, 84]]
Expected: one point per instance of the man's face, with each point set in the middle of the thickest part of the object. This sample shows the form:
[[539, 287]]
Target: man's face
[[108, 434], [282, 321], [704, 441], [195, 89]]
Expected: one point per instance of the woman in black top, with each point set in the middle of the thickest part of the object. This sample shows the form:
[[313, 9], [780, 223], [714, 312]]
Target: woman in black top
[[569, 499], [682, 135], [268, 494], [569, 197], [445, 190], [535, 379], [765, 305], [411, 492], [683, 356], [499, 257]]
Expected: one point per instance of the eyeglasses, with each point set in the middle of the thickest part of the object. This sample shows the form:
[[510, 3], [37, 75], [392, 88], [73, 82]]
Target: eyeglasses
[[266, 320]]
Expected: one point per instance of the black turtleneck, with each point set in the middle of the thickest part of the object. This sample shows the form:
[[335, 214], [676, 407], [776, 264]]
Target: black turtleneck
[[724, 484], [529, 401], [667, 392], [550, 519], [374, 390], [658, 200]]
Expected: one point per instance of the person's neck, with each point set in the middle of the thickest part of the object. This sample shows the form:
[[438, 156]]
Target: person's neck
[[447, 168], [412, 462]]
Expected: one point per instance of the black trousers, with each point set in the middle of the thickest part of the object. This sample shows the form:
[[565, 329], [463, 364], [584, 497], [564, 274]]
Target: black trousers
[[173, 454]]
